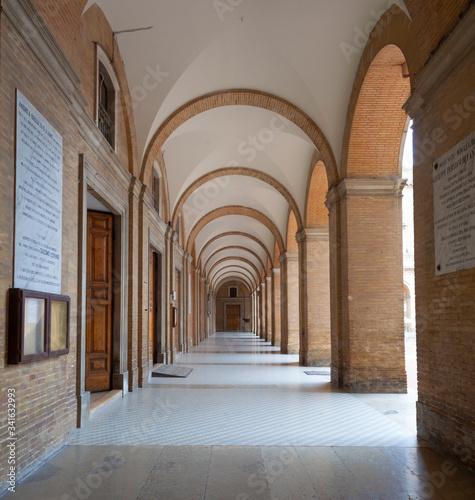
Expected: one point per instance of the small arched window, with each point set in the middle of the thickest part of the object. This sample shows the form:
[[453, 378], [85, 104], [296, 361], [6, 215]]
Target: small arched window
[[105, 109], [107, 112], [157, 186]]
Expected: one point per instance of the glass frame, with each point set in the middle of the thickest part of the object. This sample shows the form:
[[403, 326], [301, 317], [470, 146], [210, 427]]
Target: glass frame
[[20, 316]]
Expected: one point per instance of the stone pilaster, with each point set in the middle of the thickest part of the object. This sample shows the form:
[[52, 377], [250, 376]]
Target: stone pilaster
[[268, 335], [275, 296]]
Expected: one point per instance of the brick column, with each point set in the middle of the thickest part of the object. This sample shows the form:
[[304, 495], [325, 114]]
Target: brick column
[[264, 310], [268, 309], [369, 308], [314, 290], [290, 336], [187, 297], [275, 296], [261, 310], [196, 298]]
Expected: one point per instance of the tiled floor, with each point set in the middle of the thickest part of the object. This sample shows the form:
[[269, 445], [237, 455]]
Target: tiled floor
[[248, 423]]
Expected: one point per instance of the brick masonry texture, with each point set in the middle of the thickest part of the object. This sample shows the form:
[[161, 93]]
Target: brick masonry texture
[[365, 270]]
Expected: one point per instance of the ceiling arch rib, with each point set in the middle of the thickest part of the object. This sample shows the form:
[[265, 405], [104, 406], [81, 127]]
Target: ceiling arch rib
[[235, 238], [232, 277], [233, 260], [232, 271], [236, 266], [245, 212], [221, 187], [230, 280], [244, 97], [233, 224], [233, 251], [250, 194]]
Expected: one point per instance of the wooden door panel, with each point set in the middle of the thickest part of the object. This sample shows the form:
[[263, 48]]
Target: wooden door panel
[[99, 258], [99, 302], [233, 317]]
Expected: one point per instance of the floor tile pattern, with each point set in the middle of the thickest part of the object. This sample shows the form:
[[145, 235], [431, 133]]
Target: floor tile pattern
[[248, 424]]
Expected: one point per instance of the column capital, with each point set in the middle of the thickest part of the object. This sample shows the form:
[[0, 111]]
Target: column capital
[[450, 56], [288, 256], [276, 271], [371, 188], [268, 279], [317, 233]]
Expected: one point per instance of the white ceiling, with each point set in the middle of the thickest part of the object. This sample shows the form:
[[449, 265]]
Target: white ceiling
[[291, 49]]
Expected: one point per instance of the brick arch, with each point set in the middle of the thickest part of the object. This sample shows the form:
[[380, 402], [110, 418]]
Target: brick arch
[[232, 277], [239, 97], [243, 171], [221, 283], [292, 230], [316, 212], [231, 233], [235, 247], [235, 210], [227, 259], [232, 271], [375, 120], [276, 255], [269, 267]]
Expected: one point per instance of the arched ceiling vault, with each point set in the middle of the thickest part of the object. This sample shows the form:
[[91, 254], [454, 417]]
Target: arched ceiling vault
[[234, 270], [230, 280], [246, 238], [234, 250], [235, 210], [220, 264], [236, 106]]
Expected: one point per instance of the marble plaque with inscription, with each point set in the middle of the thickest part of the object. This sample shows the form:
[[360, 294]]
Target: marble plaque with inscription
[[39, 201], [454, 208]]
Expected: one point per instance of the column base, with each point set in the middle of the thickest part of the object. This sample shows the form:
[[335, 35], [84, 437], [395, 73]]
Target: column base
[[120, 381], [84, 405], [133, 379], [448, 435], [375, 381], [316, 358]]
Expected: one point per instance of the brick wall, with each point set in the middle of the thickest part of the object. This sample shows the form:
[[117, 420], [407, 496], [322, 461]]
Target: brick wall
[[46, 390], [445, 304]]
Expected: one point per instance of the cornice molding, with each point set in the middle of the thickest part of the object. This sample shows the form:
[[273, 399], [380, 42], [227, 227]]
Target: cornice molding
[[452, 54]]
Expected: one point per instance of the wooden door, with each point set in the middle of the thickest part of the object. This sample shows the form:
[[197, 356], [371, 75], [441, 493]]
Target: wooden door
[[233, 317], [154, 306], [99, 302], [151, 306]]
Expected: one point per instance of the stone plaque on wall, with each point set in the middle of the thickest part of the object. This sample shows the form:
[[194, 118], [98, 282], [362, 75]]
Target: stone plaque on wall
[[454, 208], [38, 204]]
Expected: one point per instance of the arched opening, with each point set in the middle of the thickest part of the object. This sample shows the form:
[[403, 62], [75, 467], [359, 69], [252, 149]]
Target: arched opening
[[369, 345], [408, 263]]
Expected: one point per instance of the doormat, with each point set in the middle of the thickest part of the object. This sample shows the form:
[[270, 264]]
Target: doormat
[[172, 371], [318, 372]]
